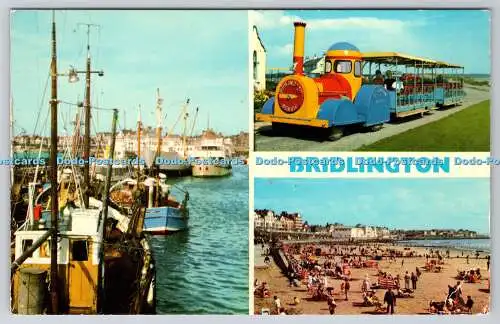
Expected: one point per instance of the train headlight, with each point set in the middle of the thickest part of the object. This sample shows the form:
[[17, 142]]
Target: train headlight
[[290, 96]]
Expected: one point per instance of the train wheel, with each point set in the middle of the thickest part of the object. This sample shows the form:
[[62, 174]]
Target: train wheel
[[376, 128], [334, 133]]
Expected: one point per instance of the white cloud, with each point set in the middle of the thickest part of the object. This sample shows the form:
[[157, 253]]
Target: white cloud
[[276, 19]]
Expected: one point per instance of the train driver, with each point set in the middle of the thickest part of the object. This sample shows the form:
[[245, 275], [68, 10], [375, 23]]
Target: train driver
[[379, 78]]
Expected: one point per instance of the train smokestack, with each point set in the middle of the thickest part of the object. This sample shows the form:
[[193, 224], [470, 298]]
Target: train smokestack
[[298, 47]]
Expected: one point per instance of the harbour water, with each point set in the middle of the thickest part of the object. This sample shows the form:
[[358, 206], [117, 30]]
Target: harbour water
[[205, 269], [459, 244]]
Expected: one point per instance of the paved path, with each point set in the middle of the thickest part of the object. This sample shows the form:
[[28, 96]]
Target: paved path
[[265, 140], [258, 257]]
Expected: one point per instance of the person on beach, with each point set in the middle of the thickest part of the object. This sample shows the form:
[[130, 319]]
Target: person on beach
[[277, 304], [347, 286], [488, 263], [390, 300], [402, 262], [469, 304], [290, 278], [331, 305], [407, 280], [458, 289], [467, 257], [414, 279], [417, 271], [365, 286]]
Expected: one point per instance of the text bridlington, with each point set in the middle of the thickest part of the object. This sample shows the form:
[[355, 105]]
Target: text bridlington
[[373, 164]]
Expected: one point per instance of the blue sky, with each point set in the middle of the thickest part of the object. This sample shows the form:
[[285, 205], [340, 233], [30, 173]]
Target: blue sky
[[455, 36], [202, 55], [396, 203]]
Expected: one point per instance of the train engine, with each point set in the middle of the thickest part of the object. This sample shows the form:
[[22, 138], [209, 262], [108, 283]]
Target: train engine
[[332, 101]]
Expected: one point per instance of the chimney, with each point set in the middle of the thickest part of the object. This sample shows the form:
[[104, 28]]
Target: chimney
[[298, 48]]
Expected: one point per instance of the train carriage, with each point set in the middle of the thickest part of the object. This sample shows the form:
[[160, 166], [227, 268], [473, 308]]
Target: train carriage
[[346, 94], [415, 85], [450, 87]]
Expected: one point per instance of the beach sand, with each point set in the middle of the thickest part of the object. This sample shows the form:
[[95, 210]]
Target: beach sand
[[430, 286]]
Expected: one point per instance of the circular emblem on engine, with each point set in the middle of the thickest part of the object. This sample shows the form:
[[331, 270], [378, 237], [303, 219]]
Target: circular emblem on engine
[[290, 96]]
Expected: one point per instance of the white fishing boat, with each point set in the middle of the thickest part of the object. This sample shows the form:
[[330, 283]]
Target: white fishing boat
[[211, 159]]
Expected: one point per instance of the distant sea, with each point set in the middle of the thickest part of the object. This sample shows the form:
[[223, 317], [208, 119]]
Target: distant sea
[[478, 76], [462, 244]]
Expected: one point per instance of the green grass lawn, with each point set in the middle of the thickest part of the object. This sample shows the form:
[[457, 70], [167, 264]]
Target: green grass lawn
[[465, 131]]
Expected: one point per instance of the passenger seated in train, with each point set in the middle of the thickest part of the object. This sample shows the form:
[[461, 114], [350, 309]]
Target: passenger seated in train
[[378, 78], [389, 81]]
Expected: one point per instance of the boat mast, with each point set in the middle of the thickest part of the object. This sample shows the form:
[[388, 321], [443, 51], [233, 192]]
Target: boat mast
[[185, 115], [53, 174], [139, 126], [86, 104], [194, 122], [86, 141], [159, 102], [105, 212]]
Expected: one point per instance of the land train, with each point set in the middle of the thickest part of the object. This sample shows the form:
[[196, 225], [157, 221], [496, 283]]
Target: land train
[[346, 94]]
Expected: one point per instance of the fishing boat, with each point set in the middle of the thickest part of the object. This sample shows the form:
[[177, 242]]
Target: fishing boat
[[173, 163], [211, 159], [165, 214], [74, 254]]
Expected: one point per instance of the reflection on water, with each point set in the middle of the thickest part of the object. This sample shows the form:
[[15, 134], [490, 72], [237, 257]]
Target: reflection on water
[[205, 269]]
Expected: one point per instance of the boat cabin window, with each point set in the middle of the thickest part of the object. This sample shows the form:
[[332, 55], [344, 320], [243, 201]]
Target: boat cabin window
[[342, 66], [79, 251], [328, 66], [357, 68], [26, 245]]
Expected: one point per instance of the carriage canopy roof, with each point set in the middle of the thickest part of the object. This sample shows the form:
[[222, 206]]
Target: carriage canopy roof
[[404, 59]]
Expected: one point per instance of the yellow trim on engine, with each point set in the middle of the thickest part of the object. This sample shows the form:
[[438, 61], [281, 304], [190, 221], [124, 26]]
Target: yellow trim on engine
[[341, 53], [305, 122]]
